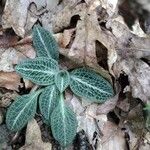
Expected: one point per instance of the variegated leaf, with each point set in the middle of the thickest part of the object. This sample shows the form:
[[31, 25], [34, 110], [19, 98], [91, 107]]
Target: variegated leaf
[[48, 100], [21, 111], [40, 70], [44, 43], [62, 79], [63, 123], [89, 85]]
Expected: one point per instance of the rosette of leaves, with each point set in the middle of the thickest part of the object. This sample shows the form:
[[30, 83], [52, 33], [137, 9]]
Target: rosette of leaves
[[44, 71]]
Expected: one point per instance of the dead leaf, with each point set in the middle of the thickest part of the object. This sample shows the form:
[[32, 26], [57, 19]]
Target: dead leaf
[[138, 73], [7, 39], [128, 44], [33, 138], [134, 126], [10, 80], [88, 31], [15, 15], [124, 105], [9, 58], [113, 138], [5, 99], [87, 121], [51, 4], [27, 50], [1, 117], [65, 38], [108, 106]]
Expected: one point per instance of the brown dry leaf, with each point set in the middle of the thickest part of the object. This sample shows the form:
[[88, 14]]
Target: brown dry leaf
[[5, 99], [51, 4], [108, 106], [64, 38], [124, 105], [113, 138], [135, 120], [10, 80], [139, 76], [33, 138], [16, 15], [7, 39], [9, 58], [27, 50], [87, 120], [88, 31], [1, 117], [128, 44], [134, 125]]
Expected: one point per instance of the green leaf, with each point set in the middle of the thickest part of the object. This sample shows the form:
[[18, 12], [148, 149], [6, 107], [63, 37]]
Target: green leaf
[[62, 80], [21, 111], [63, 123], [86, 83], [48, 100], [5, 134], [44, 43], [40, 70]]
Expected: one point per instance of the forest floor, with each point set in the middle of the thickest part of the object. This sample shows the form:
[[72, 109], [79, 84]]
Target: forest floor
[[105, 35]]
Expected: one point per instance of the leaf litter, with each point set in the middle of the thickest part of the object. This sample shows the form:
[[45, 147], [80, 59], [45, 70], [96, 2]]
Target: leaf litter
[[76, 32]]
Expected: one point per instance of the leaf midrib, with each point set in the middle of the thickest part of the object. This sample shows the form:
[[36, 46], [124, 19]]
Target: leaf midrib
[[61, 85], [43, 43], [63, 117], [89, 85], [22, 111], [50, 101], [41, 71]]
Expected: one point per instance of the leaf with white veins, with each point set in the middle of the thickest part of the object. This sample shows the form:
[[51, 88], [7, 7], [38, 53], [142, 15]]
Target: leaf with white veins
[[21, 111], [63, 123], [40, 70], [62, 79], [45, 44], [48, 100], [88, 84]]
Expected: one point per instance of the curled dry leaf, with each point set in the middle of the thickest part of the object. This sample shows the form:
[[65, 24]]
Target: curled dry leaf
[[33, 138]]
